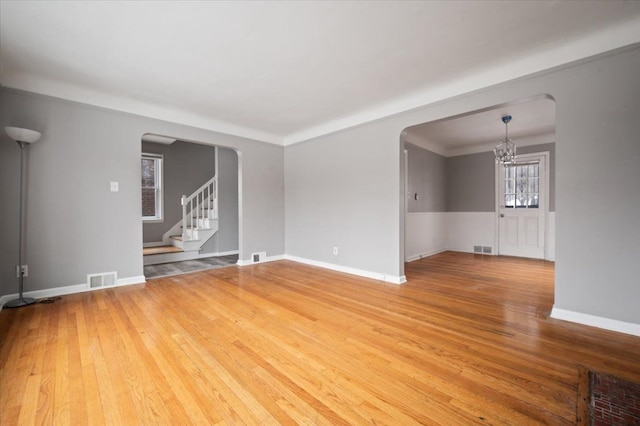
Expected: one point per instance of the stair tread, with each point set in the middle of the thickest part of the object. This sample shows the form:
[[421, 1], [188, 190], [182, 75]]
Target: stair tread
[[148, 251], [179, 238]]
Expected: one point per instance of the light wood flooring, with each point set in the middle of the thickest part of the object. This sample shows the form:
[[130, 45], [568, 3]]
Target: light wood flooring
[[466, 341]]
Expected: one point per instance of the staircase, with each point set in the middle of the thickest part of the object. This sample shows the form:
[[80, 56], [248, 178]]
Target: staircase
[[198, 224]]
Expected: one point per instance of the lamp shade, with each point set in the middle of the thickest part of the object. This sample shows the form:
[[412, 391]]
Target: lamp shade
[[22, 135]]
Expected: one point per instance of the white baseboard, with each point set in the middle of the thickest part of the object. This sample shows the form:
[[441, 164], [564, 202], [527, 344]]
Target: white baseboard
[[595, 321], [247, 262], [348, 270], [139, 279], [71, 289], [423, 255], [218, 253], [493, 253]]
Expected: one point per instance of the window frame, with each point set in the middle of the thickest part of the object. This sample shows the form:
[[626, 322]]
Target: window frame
[[159, 186], [527, 179]]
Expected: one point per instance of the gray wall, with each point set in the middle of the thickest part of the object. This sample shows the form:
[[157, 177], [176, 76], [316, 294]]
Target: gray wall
[[186, 167], [76, 225], [471, 180], [426, 177], [342, 190], [346, 187], [471, 183], [226, 239], [598, 188]]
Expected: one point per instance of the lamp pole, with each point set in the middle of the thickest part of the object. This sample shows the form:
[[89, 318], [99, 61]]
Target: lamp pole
[[23, 137], [21, 300]]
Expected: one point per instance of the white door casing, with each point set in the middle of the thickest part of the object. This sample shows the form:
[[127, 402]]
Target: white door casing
[[522, 205]]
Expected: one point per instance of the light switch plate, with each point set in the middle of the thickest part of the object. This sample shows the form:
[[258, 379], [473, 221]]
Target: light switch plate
[[114, 186]]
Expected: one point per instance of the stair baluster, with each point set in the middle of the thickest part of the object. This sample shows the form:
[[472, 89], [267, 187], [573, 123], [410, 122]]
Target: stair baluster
[[198, 208]]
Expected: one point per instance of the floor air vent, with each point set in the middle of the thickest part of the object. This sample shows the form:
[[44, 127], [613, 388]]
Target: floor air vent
[[104, 279], [483, 249], [258, 257]]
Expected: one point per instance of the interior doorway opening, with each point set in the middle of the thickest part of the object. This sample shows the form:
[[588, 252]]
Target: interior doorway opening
[[198, 196], [450, 193]]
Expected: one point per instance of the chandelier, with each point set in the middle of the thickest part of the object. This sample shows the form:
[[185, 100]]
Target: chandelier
[[505, 151]]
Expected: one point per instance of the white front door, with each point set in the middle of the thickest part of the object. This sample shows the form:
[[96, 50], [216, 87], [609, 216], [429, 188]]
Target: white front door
[[522, 206]]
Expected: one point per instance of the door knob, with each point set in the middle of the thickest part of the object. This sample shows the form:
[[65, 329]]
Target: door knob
[[501, 215]]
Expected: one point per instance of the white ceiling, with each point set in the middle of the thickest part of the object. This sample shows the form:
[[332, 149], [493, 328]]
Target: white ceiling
[[533, 122], [283, 72]]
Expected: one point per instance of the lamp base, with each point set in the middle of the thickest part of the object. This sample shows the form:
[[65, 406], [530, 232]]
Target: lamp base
[[21, 301]]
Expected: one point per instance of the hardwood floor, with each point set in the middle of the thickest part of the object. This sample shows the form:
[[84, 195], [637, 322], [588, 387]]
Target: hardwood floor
[[467, 340]]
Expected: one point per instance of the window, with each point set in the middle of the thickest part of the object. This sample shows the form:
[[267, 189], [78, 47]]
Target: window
[[151, 187], [521, 183]]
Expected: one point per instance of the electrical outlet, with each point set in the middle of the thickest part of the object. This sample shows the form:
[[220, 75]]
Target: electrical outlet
[[24, 270], [335, 251]]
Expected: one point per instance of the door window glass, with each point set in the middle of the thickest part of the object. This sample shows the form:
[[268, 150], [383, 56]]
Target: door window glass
[[522, 186]]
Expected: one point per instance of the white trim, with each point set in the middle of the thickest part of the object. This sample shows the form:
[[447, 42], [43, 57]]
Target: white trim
[[496, 209], [71, 289], [423, 255], [247, 262], [219, 253], [139, 279], [153, 220], [393, 279], [405, 205], [542, 139], [595, 321], [159, 177], [550, 238]]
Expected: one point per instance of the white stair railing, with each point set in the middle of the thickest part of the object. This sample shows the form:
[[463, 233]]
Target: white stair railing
[[198, 208]]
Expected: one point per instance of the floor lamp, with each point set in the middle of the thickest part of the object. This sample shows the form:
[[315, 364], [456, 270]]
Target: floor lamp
[[24, 137]]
